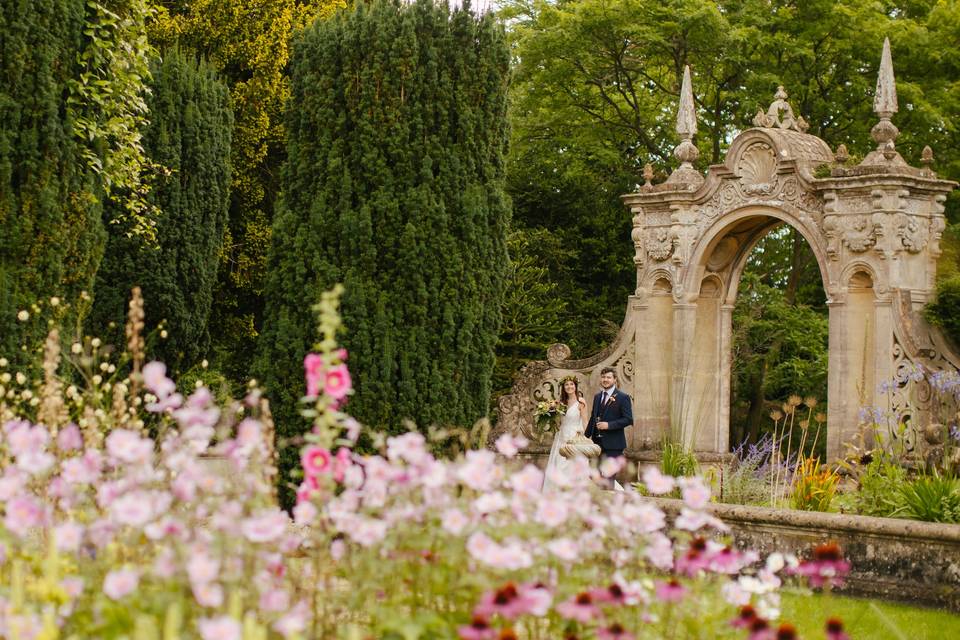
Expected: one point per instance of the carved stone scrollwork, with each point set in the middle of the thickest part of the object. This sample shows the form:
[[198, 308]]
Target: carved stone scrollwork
[[659, 243], [860, 233], [557, 354], [913, 232], [758, 170]]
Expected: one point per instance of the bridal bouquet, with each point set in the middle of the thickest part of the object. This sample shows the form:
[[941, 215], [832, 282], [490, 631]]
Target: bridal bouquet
[[548, 415]]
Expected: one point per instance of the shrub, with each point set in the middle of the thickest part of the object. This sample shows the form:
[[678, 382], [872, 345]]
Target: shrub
[[932, 498]]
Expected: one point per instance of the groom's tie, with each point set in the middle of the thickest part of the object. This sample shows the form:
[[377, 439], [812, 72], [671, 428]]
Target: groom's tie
[[603, 401]]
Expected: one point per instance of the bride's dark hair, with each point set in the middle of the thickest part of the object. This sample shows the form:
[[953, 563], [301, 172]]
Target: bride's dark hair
[[563, 389]]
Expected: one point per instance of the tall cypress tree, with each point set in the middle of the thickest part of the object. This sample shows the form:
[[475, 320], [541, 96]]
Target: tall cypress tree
[[394, 186], [189, 134], [51, 236]]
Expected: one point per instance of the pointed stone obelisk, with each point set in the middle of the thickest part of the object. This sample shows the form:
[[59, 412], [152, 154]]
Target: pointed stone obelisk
[[686, 152], [885, 105]]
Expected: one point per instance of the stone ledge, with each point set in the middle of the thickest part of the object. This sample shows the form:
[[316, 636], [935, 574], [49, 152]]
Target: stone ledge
[[906, 560]]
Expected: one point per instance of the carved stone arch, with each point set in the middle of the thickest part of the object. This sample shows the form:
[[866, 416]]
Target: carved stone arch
[[766, 218], [692, 236]]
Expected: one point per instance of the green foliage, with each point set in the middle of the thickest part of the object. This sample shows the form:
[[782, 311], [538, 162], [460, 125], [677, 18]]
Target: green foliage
[[109, 109], [678, 461], [535, 301], [189, 134], [595, 96], [944, 311], [51, 235], [878, 491], [397, 136], [932, 498], [248, 42]]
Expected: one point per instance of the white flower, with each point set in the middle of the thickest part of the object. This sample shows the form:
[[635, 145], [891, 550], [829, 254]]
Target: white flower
[[454, 521], [490, 502], [120, 583], [68, 536], [563, 548], [268, 525], [656, 482], [695, 494], [23, 315], [202, 567], [219, 628], [551, 512]]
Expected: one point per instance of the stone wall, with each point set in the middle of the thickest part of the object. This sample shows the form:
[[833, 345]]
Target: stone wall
[[917, 562]]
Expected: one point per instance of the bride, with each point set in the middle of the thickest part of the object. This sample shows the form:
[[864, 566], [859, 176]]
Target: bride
[[574, 421]]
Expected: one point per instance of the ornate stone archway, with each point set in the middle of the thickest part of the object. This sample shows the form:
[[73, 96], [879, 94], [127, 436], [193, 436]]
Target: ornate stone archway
[[874, 228]]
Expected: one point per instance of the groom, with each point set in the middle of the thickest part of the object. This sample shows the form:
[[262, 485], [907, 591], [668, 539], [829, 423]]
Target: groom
[[612, 413]]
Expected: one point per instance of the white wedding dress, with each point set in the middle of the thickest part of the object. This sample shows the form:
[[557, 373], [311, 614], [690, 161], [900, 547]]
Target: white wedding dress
[[557, 465]]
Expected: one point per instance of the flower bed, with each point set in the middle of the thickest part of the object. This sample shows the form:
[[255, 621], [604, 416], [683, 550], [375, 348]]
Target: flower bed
[[131, 511]]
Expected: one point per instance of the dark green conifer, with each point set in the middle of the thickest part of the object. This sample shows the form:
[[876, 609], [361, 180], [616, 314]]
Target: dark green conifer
[[394, 186], [189, 136], [51, 236]]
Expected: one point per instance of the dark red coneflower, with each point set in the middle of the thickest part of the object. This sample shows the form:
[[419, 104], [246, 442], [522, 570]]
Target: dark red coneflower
[[835, 630], [786, 631], [507, 634], [746, 616]]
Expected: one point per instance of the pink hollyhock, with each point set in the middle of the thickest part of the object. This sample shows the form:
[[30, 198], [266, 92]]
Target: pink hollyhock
[[202, 567], [120, 583], [68, 536], [207, 594], [315, 460], [219, 628], [23, 513], [304, 513], [274, 600], [35, 461], [313, 372], [337, 383], [478, 629], [580, 608], [528, 481], [268, 525], [509, 445], [294, 622], [156, 381], [128, 446], [69, 438]]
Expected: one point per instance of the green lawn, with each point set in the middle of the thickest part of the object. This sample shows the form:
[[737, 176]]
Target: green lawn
[[867, 619]]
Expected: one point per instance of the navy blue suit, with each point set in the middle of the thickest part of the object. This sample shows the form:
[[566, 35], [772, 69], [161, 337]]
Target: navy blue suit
[[618, 414]]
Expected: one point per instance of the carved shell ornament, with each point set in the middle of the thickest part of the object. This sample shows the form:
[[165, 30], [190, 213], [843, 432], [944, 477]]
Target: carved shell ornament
[[659, 243], [758, 169]]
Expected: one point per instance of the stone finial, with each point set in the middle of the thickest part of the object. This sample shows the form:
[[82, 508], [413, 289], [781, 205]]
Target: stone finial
[[842, 155], [647, 176], [772, 117], [686, 152], [885, 105], [926, 159], [885, 99]]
